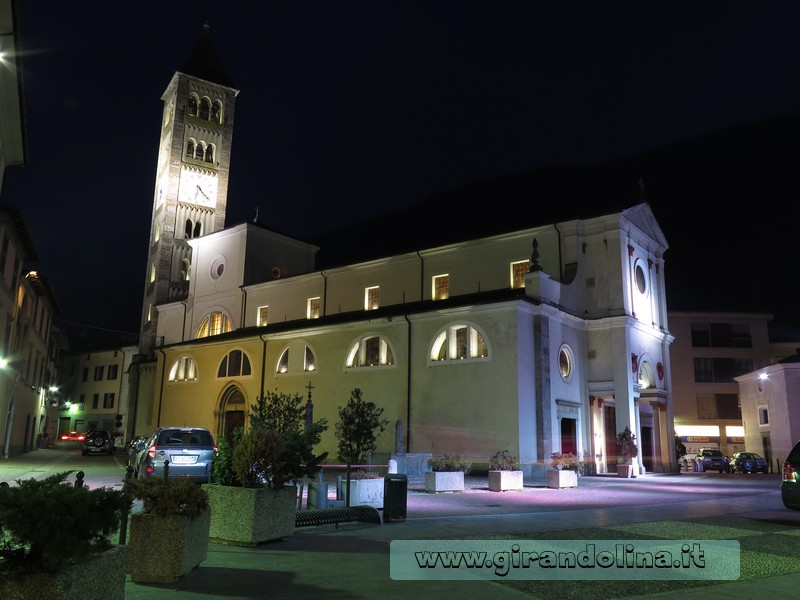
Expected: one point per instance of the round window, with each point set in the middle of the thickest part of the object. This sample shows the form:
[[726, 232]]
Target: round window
[[565, 362], [641, 279], [218, 267]]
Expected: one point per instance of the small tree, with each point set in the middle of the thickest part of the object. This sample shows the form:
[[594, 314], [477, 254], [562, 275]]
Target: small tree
[[627, 449], [356, 429]]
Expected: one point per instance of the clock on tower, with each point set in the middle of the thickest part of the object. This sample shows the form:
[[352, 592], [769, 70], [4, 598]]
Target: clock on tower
[[197, 188]]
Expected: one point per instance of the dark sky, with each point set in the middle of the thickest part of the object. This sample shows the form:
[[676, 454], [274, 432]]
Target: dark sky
[[349, 109]]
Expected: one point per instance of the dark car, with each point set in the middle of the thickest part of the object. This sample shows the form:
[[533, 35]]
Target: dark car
[[136, 449], [749, 462], [713, 459], [189, 450], [790, 486], [97, 442]]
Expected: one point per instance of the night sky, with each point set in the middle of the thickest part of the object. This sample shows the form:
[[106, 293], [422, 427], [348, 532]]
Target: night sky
[[350, 109]]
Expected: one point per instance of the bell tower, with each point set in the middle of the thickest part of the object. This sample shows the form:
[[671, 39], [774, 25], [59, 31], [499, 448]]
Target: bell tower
[[191, 188]]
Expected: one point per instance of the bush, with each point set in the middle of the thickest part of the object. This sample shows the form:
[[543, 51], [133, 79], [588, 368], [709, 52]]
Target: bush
[[565, 461], [627, 449], [47, 524], [503, 461], [356, 429], [222, 467], [178, 496], [360, 474], [449, 462]]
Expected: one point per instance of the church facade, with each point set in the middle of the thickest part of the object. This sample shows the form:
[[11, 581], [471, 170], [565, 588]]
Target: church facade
[[547, 338]]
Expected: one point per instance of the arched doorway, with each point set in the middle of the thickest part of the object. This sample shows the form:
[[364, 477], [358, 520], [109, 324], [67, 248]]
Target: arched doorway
[[232, 411]]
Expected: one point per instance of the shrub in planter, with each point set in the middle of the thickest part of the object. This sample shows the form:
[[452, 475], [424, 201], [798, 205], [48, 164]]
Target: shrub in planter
[[447, 473], [169, 537], [565, 470], [627, 450], [504, 473]]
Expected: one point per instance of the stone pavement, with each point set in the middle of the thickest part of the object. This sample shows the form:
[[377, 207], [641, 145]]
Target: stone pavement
[[351, 560]]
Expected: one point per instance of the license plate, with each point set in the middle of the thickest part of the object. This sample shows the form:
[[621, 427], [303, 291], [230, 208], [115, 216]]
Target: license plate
[[182, 459]]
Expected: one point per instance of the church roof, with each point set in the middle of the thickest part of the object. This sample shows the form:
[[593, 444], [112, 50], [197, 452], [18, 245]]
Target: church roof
[[204, 61]]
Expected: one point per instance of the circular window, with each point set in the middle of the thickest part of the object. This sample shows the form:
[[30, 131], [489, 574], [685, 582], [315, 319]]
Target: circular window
[[218, 267], [641, 279], [565, 362]]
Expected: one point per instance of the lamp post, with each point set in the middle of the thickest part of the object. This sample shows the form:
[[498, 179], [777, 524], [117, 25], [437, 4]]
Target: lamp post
[[10, 418]]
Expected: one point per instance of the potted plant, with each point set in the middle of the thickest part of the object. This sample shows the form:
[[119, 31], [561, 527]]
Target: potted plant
[[55, 539], [564, 472], [254, 495], [357, 430], [627, 450], [169, 536], [447, 473], [504, 473]]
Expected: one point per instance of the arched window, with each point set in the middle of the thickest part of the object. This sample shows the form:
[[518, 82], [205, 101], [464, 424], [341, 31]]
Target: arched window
[[310, 360], [187, 229], [191, 110], [205, 108], [458, 342], [186, 269], [283, 362], [183, 369], [200, 150], [214, 324], [216, 112], [370, 351], [234, 364], [190, 149], [209, 157], [198, 229]]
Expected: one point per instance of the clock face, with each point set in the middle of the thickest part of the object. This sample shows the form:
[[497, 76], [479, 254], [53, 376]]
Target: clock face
[[198, 188]]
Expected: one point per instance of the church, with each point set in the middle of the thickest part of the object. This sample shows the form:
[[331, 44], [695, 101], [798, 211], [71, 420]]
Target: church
[[540, 338]]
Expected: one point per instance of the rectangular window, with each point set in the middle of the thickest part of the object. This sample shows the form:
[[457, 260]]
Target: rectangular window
[[728, 407], [98, 373], [112, 371], [763, 415], [312, 310], [95, 401], [441, 287], [371, 298], [703, 370], [85, 377], [108, 400], [518, 271], [263, 316], [721, 335]]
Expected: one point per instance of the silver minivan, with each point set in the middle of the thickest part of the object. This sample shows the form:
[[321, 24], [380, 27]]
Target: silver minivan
[[187, 451]]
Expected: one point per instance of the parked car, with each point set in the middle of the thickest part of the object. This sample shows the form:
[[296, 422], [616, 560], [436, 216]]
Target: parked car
[[136, 449], [72, 436], [790, 485], [749, 462], [189, 450], [97, 442], [713, 459]]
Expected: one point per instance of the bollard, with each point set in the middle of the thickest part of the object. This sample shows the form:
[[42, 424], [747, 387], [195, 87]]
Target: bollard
[[79, 479], [129, 473], [166, 469]]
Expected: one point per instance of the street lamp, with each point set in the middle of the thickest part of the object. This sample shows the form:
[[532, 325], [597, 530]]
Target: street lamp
[[10, 419]]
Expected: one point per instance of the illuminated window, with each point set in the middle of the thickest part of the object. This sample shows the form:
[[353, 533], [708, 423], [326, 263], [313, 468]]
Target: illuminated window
[[518, 271], [191, 110], [283, 362], [640, 277], [459, 342], [312, 309], [565, 361], [152, 272], [234, 364], [763, 415], [186, 269], [190, 149], [209, 155], [205, 109], [310, 360], [441, 287], [216, 112], [214, 324], [370, 352], [263, 316], [371, 298], [183, 369]]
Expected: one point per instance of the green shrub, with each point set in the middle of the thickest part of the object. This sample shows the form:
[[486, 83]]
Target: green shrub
[[449, 462], [503, 461], [222, 467], [161, 497], [361, 474], [49, 523], [356, 429]]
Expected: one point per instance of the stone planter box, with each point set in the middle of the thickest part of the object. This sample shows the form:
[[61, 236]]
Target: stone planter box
[[563, 478], [105, 571], [444, 481], [503, 481], [164, 549], [250, 516], [367, 492], [625, 471]]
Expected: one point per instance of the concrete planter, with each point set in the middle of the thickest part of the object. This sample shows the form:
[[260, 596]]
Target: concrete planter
[[105, 571], [367, 492], [503, 481], [250, 516], [625, 471], [164, 549], [562, 478], [444, 481]]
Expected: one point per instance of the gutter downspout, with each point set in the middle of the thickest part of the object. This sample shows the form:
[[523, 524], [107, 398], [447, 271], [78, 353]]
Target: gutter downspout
[[161, 388], [263, 364], [324, 294], [560, 263], [408, 389], [244, 306]]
